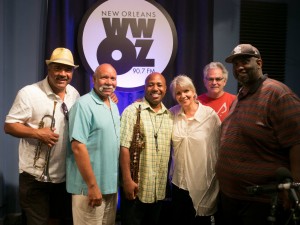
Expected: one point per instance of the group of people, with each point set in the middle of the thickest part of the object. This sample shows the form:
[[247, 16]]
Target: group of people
[[210, 147]]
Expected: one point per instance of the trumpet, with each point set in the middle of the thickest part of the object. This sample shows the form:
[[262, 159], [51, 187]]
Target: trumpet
[[38, 150]]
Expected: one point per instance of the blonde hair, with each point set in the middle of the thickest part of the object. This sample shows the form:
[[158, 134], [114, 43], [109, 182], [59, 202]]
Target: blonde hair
[[183, 81]]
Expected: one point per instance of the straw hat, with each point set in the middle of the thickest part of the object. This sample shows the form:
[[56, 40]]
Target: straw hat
[[63, 56]]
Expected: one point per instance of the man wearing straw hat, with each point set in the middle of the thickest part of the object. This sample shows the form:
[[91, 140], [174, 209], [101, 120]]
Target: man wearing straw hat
[[39, 117]]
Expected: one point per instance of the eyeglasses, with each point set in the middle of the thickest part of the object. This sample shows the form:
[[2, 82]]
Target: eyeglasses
[[65, 110], [217, 79]]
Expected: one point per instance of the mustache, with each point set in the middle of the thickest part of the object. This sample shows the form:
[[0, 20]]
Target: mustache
[[106, 87], [62, 78]]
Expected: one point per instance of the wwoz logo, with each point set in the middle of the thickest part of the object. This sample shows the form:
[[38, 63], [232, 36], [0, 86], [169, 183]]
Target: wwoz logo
[[137, 37], [116, 40]]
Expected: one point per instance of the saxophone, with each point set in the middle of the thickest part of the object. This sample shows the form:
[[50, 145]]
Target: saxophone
[[137, 145]]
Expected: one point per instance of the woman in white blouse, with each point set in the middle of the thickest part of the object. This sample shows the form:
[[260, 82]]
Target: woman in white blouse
[[195, 140]]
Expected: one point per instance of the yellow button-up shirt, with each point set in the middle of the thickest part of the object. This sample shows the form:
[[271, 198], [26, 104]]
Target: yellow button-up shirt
[[155, 156]]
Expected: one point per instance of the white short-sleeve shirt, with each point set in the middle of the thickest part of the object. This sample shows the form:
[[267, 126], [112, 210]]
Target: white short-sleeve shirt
[[31, 104]]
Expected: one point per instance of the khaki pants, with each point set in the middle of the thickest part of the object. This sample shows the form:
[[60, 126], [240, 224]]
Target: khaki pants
[[83, 214]]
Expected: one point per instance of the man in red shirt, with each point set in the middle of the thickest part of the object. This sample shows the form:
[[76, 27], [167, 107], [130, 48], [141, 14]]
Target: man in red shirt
[[215, 76]]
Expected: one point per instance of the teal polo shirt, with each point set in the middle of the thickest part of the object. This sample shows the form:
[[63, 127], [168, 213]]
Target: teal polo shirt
[[97, 126]]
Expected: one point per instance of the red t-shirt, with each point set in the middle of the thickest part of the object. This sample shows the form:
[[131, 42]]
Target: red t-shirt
[[221, 105]]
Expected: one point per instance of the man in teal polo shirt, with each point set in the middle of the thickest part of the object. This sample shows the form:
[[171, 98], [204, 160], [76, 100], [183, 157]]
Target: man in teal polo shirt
[[92, 159]]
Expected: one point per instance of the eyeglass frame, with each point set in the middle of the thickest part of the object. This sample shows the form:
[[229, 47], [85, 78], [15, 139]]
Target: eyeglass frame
[[217, 79]]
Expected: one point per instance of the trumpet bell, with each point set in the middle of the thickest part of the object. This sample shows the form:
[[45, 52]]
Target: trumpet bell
[[44, 178]]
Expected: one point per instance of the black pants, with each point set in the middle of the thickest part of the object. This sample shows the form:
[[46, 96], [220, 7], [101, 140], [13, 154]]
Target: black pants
[[239, 212], [183, 212], [41, 200], [135, 212]]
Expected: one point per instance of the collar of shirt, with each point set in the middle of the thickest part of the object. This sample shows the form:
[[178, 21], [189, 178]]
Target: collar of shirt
[[145, 105], [48, 89], [244, 92], [199, 115], [96, 98]]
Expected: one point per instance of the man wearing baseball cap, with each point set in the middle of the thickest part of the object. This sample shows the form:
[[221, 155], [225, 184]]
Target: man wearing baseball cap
[[260, 135], [39, 117]]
